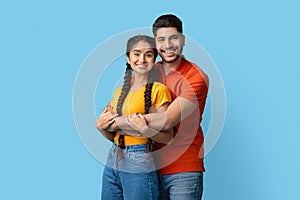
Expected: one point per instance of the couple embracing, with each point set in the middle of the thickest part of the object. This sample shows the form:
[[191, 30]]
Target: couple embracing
[[153, 121]]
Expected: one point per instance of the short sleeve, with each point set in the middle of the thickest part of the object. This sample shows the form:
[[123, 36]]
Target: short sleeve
[[115, 98], [194, 86], [160, 95]]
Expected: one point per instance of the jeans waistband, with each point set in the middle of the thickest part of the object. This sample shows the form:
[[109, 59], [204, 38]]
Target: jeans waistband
[[136, 147]]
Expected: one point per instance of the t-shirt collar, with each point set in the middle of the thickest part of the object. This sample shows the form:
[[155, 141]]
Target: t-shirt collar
[[180, 67]]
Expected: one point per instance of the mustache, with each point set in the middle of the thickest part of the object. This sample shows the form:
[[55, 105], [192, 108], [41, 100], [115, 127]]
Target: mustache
[[169, 49]]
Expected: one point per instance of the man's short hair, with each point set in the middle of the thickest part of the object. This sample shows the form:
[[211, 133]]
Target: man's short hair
[[165, 21]]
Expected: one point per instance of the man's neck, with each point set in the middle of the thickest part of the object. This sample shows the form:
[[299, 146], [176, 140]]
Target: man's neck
[[171, 66]]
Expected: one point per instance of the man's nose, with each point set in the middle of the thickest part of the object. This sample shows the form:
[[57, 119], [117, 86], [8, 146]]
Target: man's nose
[[169, 43]]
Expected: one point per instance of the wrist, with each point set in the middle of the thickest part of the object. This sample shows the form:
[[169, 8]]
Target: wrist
[[147, 118], [148, 132], [117, 123], [144, 130], [111, 128]]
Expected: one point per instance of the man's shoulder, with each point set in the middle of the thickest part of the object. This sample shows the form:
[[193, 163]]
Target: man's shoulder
[[193, 71]]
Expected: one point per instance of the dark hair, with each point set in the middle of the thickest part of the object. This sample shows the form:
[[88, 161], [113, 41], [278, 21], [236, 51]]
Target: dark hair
[[127, 79], [145, 38], [165, 21]]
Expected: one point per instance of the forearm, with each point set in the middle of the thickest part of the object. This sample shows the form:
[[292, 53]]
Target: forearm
[[121, 123], [108, 135], [126, 128], [158, 121], [158, 136], [178, 110]]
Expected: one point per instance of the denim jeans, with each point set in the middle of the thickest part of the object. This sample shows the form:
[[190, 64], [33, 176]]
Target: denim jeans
[[129, 175], [181, 186]]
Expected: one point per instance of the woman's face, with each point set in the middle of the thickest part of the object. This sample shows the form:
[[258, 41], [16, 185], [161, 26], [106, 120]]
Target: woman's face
[[141, 57]]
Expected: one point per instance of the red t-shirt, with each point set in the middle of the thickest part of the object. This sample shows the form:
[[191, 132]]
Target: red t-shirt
[[185, 153]]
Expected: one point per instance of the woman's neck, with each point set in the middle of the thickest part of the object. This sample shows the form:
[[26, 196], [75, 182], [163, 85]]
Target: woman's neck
[[139, 81]]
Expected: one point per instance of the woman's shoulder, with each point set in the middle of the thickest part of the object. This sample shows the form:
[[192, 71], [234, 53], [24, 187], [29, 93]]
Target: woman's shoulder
[[117, 91], [160, 94], [159, 85]]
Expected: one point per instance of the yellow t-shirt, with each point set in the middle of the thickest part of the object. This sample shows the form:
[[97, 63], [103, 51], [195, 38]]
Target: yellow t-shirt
[[134, 102]]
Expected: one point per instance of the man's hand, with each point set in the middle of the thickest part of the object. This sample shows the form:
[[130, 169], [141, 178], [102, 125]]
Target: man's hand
[[137, 122]]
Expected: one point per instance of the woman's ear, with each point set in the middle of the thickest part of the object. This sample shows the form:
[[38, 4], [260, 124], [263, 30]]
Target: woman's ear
[[127, 59]]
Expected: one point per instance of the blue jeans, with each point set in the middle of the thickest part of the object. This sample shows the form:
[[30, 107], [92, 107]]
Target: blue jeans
[[129, 175], [181, 186]]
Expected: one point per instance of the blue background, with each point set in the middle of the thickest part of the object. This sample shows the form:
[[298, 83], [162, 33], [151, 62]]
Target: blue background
[[255, 45]]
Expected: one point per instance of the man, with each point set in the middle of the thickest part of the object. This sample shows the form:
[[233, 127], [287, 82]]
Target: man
[[180, 162], [183, 178]]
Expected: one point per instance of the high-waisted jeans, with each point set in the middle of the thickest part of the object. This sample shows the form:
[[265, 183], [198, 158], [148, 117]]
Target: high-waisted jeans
[[129, 174]]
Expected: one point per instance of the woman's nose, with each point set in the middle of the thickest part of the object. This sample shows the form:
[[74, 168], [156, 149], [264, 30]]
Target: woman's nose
[[142, 58]]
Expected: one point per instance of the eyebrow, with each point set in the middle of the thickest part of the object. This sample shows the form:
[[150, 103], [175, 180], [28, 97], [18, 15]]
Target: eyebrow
[[176, 34], [137, 50]]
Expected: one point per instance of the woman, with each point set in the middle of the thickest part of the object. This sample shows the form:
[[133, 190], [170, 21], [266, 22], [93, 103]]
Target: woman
[[130, 171]]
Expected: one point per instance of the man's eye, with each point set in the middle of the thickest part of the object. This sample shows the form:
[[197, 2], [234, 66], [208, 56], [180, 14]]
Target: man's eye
[[160, 39]]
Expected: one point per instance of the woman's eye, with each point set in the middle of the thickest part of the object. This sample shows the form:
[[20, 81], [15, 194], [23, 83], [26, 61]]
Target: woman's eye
[[149, 55]]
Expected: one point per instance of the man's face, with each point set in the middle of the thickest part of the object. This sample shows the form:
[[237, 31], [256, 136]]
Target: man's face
[[169, 44]]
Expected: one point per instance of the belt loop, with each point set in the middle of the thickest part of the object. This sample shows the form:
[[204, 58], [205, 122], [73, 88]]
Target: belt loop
[[149, 145], [159, 177]]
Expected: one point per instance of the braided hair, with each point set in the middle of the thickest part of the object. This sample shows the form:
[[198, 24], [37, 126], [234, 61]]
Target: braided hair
[[127, 80]]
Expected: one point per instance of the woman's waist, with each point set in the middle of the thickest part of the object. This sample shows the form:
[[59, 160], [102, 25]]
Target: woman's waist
[[133, 148], [131, 140]]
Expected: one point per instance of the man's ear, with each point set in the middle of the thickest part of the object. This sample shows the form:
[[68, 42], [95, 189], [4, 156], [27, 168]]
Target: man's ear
[[183, 40]]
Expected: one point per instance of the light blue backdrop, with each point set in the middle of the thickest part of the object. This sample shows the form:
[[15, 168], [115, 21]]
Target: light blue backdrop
[[255, 45]]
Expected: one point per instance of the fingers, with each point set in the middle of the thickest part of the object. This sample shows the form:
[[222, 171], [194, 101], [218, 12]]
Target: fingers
[[105, 110], [108, 109], [106, 119], [108, 115], [136, 120], [140, 116], [132, 117]]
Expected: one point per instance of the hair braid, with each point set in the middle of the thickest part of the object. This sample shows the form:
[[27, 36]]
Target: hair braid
[[125, 89], [147, 97], [148, 104]]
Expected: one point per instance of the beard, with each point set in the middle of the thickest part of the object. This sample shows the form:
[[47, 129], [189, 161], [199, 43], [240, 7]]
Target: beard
[[170, 59]]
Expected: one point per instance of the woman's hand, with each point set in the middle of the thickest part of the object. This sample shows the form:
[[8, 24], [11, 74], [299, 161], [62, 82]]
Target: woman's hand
[[106, 119]]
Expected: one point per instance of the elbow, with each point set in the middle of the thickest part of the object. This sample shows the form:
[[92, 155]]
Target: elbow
[[168, 125], [168, 139]]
